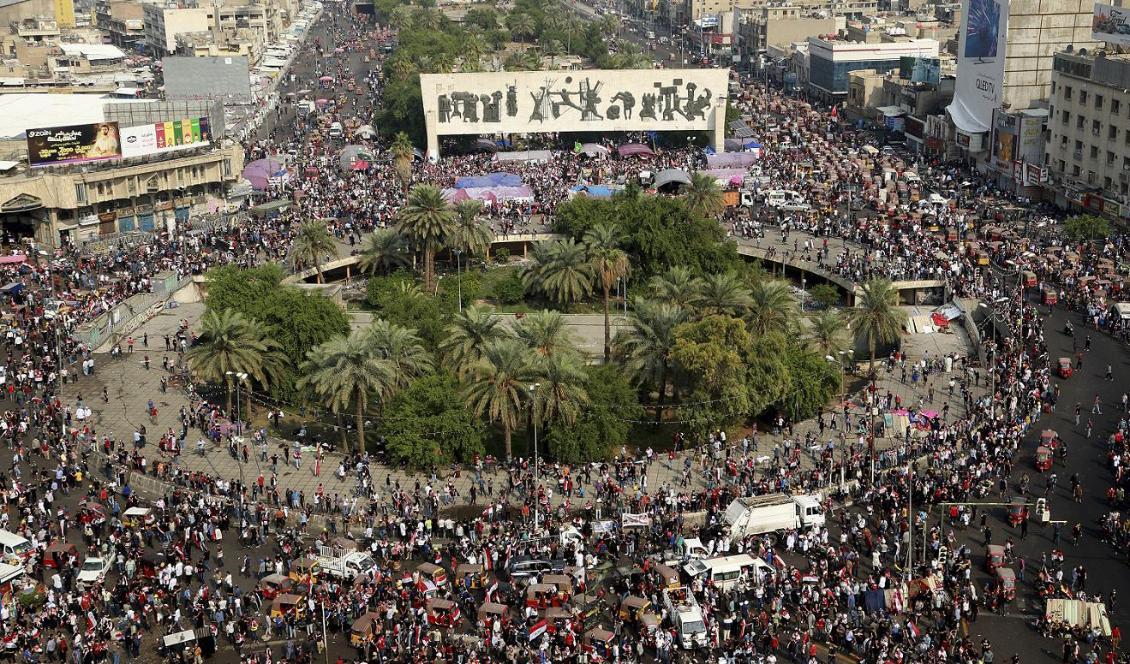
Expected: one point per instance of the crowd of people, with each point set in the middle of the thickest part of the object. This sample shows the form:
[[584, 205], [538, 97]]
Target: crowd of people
[[814, 599]]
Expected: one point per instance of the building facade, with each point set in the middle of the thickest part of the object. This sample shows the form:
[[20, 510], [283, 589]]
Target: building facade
[[163, 24], [831, 60]]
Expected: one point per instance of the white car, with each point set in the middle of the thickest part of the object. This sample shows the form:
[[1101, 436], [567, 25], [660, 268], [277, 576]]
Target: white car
[[94, 570]]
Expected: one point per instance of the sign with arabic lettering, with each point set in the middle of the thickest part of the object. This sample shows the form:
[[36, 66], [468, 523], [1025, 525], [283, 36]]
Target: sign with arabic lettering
[[585, 100]]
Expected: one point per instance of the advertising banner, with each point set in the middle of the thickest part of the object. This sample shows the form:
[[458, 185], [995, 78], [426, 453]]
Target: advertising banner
[[73, 144], [165, 136], [1111, 24], [980, 65], [1031, 149]]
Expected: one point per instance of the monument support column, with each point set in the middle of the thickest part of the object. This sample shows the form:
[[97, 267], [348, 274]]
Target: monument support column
[[718, 135], [433, 136]]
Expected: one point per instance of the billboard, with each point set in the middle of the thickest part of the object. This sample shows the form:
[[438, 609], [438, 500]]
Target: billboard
[[73, 144], [226, 78], [168, 136], [1111, 24], [979, 88], [587, 100]]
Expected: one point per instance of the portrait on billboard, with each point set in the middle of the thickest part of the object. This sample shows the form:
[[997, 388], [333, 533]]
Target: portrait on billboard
[[982, 30], [73, 144], [1111, 25]]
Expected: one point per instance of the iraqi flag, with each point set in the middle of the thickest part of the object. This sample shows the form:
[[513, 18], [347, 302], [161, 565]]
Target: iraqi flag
[[488, 561], [491, 591], [913, 627], [537, 629]]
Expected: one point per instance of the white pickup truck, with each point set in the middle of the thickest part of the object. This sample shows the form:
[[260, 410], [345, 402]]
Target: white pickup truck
[[686, 618], [342, 565]]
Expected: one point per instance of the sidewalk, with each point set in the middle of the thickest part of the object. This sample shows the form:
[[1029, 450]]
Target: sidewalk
[[130, 386]]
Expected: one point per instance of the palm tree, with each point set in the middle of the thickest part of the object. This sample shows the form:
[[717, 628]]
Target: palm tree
[[401, 68], [611, 264], [426, 219], [773, 306], [312, 244], [497, 385], [826, 332], [231, 344], [402, 349], [469, 233], [520, 24], [552, 48], [546, 333], [538, 260], [704, 196], [468, 335], [724, 292], [876, 315], [402, 154], [273, 362], [677, 286], [560, 394], [347, 371], [647, 342], [568, 276], [384, 252]]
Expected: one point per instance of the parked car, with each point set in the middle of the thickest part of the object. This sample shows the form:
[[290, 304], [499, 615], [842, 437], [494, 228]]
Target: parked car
[[94, 570]]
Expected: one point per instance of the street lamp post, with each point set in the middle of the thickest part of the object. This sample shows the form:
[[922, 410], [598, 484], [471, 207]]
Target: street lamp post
[[239, 378], [459, 280], [533, 407]]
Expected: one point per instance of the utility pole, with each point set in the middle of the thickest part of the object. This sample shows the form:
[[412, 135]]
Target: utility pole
[[533, 416], [910, 518]]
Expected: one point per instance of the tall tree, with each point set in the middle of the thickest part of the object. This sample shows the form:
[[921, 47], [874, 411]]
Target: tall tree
[[402, 155], [384, 251], [498, 384], [876, 315], [313, 244], [346, 371], [230, 344], [826, 332], [470, 234], [704, 196], [468, 335], [677, 286], [402, 349], [568, 276], [546, 333], [560, 395], [611, 264], [773, 307], [426, 220], [724, 293], [647, 343], [520, 24]]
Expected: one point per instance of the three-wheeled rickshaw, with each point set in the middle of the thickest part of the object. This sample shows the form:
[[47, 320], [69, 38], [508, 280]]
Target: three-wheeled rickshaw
[[442, 612], [994, 557], [1006, 583], [1017, 512], [1064, 368], [1043, 459], [363, 629]]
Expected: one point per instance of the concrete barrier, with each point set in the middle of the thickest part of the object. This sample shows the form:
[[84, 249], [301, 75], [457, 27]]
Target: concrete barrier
[[133, 312]]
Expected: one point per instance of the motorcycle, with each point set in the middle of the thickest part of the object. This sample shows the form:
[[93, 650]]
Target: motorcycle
[[1069, 330]]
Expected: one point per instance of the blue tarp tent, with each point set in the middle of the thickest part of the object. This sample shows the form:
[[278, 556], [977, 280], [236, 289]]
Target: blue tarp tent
[[489, 180]]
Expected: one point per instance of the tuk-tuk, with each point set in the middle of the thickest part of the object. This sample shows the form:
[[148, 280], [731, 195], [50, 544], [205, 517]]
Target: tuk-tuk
[[1029, 279], [58, 554], [433, 573], [303, 569], [136, 517], [285, 605], [1049, 438], [1017, 512], [994, 557], [557, 618], [1043, 459], [649, 625], [92, 513], [1049, 297], [563, 583], [669, 577], [1065, 368], [496, 614], [598, 644], [470, 576], [273, 585], [633, 607], [362, 630], [541, 596], [1006, 583], [148, 563], [442, 612]]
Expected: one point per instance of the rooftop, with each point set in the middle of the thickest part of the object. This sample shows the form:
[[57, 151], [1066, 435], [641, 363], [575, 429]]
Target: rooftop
[[93, 52], [20, 112]]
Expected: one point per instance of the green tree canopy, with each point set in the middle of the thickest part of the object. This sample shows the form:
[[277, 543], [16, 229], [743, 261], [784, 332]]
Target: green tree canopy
[[427, 425], [1086, 228], [603, 425]]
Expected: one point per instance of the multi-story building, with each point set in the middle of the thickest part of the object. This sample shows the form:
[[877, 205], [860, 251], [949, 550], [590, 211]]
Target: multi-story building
[[1088, 130], [123, 21], [164, 23], [831, 60], [760, 27]]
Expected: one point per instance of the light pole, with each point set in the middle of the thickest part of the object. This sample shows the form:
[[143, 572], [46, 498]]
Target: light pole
[[239, 378], [533, 416], [459, 280], [803, 292]]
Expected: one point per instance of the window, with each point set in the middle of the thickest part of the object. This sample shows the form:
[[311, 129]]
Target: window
[[1126, 163], [1078, 146], [1094, 152], [1106, 183], [1096, 127], [1075, 170], [1115, 106], [80, 192], [1083, 97], [1066, 117], [1099, 102], [1109, 158], [1067, 92], [1112, 132], [1080, 121]]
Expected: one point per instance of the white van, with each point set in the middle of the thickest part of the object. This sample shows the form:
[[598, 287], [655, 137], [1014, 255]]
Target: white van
[[336, 131], [15, 547], [785, 199], [724, 572]]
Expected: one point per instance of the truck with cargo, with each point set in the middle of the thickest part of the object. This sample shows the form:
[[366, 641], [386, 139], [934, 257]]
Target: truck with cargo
[[686, 617], [773, 513], [344, 565]]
